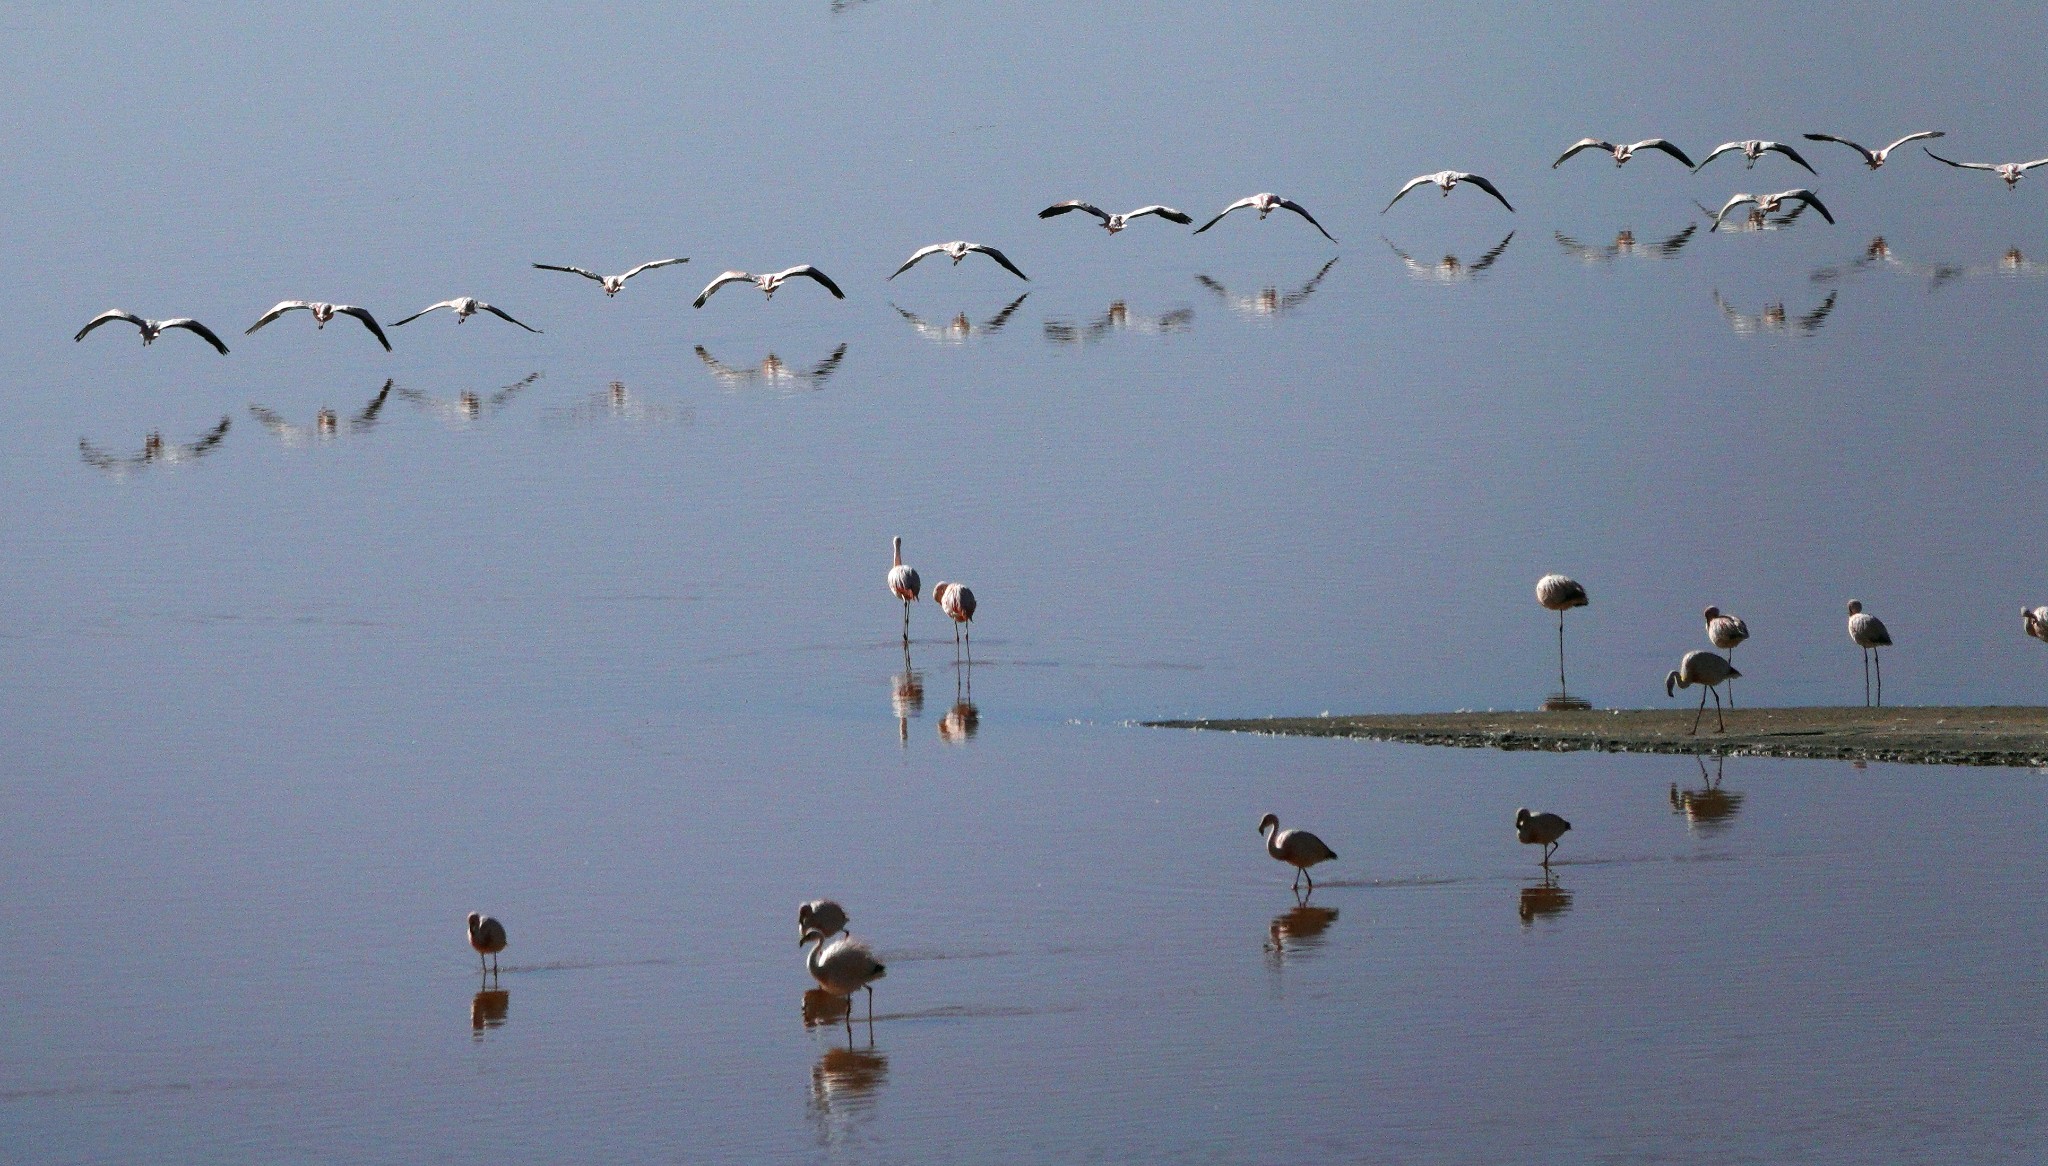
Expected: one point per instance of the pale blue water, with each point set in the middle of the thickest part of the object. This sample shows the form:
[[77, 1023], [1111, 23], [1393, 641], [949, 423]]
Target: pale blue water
[[588, 629]]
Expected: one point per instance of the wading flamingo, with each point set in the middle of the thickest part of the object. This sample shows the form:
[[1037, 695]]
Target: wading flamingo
[[1297, 848]]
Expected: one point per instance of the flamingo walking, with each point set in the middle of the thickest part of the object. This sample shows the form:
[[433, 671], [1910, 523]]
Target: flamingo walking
[[1870, 634], [1706, 669], [1297, 848], [903, 581], [1560, 593], [843, 967], [1724, 632], [1540, 830]]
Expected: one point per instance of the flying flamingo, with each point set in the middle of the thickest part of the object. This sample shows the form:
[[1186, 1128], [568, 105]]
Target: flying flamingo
[[1709, 670], [322, 313], [1114, 223], [1448, 179], [1876, 158], [1622, 153], [769, 283], [2012, 172], [1751, 150], [464, 307], [904, 582], [1297, 848], [1560, 593], [1266, 204], [958, 602], [1870, 634], [610, 283], [1724, 632], [151, 329], [956, 251]]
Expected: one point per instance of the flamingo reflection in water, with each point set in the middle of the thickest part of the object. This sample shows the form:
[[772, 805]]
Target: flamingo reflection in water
[[963, 720], [1268, 302], [467, 406], [1297, 931], [1756, 218], [959, 329], [1625, 246], [846, 1079], [327, 424], [906, 697], [1775, 320], [773, 370], [489, 1008], [1542, 899], [1709, 808], [617, 403], [1449, 269], [155, 450], [1118, 317]]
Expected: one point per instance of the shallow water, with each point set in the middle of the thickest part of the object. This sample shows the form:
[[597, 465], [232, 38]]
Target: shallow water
[[587, 629]]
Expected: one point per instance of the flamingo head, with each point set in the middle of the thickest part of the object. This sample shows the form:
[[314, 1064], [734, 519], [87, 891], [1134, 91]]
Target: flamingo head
[[810, 936], [1521, 817], [1711, 613], [1855, 607], [1269, 822]]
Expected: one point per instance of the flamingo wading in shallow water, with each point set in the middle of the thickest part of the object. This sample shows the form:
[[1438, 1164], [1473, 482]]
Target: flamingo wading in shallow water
[[843, 967], [1540, 830], [825, 916], [1560, 593], [487, 938], [1297, 848], [905, 585], [958, 604], [1703, 668], [1724, 632], [1869, 634]]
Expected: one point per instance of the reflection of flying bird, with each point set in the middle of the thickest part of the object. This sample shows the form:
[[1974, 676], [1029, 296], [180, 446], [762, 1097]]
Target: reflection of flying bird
[[322, 313], [1767, 203], [464, 307], [154, 449], [773, 369], [1775, 319], [1266, 204], [1875, 158], [1868, 632], [1622, 153], [1707, 669], [1268, 301], [770, 283], [1751, 150], [1114, 223], [1625, 244], [467, 405], [1117, 318], [1758, 220], [2011, 172], [1449, 269], [960, 327], [825, 916], [1448, 179], [1540, 830], [1297, 848], [151, 329], [956, 251], [611, 283], [486, 938], [616, 402]]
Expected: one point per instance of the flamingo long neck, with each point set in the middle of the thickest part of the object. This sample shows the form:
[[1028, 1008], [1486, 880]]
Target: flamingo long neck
[[814, 963], [897, 553], [1273, 840]]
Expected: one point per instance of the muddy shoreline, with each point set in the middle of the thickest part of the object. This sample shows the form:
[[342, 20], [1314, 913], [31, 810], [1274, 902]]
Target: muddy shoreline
[[1926, 736]]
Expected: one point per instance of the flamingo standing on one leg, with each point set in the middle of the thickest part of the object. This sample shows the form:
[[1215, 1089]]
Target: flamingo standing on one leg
[[958, 602], [904, 582], [1724, 632], [1540, 830], [1559, 593], [1870, 634]]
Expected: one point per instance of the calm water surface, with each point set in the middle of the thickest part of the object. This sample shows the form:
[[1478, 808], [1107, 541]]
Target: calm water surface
[[587, 629]]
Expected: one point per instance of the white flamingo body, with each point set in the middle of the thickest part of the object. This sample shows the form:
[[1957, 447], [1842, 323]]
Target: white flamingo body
[[903, 583], [1266, 204], [1876, 158], [958, 604], [2011, 172], [843, 966], [1540, 830], [1751, 150], [769, 283], [151, 329], [1707, 669], [1114, 223], [2035, 620], [1297, 848], [1869, 633], [486, 938], [1446, 180], [610, 283], [1560, 593], [322, 313], [464, 307], [1623, 152], [957, 250]]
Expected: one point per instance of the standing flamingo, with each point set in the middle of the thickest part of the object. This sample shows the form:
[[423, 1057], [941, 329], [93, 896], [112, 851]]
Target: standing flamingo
[[843, 967], [486, 938], [1560, 593], [2035, 620], [904, 582], [958, 602], [1724, 632], [1540, 830], [1709, 670], [1297, 848], [1869, 633]]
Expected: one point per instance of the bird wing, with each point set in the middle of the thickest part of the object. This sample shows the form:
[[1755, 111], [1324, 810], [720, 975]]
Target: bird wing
[[1808, 197], [1220, 290], [571, 271], [1073, 204], [368, 417], [271, 419], [499, 313], [810, 272], [1486, 260], [422, 312], [721, 281], [995, 323], [1867, 155], [1001, 258], [1791, 153], [1403, 256], [1486, 186], [915, 256], [368, 320], [1297, 208], [1165, 212], [825, 366], [1958, 165], [1582, 144], [204, 443], [1672, 245], [1719, 150], [645, 267], [196, 328], [1419, 180], [111, 314], [1662, 144], [1911, 138], [1809, 324], [1730, 205], [279, 310], [2034, 163], [1239, 205], [718, 367], [1573, 246]]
